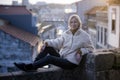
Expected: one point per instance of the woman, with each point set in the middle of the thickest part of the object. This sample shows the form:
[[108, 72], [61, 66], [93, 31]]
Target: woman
[[72, 45]]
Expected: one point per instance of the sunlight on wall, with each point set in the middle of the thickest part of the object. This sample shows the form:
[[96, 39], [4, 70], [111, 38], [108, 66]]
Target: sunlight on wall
[[68, 10]]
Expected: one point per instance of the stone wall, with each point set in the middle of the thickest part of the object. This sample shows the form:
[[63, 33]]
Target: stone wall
[[100, 65], [13, 50]]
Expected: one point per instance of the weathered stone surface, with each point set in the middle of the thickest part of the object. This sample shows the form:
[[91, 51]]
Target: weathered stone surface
[[13, 50], [100, 61], [45, 75], [114, 75], [117, 58], [90, 75], [97, 66], [102, 75], [53, 73]]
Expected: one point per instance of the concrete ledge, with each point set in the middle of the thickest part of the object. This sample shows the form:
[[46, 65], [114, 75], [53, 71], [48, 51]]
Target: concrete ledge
[[49, 74], [43, 75]]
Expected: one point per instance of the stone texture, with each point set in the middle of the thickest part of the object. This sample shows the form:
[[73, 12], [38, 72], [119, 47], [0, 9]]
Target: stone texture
[[114, 74], [100, 61], [92, 67], [53, 73], [13, 50], [102, 75], [117, 58], [46, 75], [90, 75]]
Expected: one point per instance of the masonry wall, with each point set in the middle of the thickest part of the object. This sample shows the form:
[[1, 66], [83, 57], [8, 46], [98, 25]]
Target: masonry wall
[[13, 50], [100, 65]]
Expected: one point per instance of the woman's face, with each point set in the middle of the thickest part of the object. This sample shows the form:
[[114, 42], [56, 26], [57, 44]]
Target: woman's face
[[74, 23]]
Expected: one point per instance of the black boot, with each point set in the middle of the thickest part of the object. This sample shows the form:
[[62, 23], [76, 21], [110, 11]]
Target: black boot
[[25, 67]]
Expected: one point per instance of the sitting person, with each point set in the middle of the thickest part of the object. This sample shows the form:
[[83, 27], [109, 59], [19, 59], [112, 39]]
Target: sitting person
[[72, 45]]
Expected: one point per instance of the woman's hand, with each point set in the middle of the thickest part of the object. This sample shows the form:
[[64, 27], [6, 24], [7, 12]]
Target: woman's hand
[[43, 46], [79, 52], [78, 55]]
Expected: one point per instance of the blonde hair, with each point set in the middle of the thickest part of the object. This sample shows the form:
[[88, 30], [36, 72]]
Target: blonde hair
[[77, 17]]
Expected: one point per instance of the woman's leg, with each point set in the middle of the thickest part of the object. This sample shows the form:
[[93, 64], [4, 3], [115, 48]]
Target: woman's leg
[[43, 59], [60, 62], [47, 50]]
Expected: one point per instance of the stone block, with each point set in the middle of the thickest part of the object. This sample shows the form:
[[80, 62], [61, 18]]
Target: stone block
[[90, 75], [114, 75], [117, 58], [102, 75], [100, 61], [5, 76]]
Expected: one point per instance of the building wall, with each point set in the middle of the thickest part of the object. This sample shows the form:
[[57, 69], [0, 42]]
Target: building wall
[[51, 13], [49, 34], [13, 50], [25, 2], [85, 5], [114, 37], [15, 3], [102, 29], [93, 35], [101, 41], [24, 22]]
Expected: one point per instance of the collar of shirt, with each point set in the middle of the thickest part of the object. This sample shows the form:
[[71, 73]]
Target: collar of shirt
[[76, 33]]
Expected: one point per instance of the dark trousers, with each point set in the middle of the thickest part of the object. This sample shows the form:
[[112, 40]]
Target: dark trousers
[[53, 58]]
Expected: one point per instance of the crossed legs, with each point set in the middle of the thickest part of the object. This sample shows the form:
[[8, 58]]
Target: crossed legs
[[44, 59]]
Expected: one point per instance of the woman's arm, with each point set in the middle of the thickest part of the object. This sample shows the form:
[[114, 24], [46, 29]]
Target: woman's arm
[[87, 46], [55, 43]]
